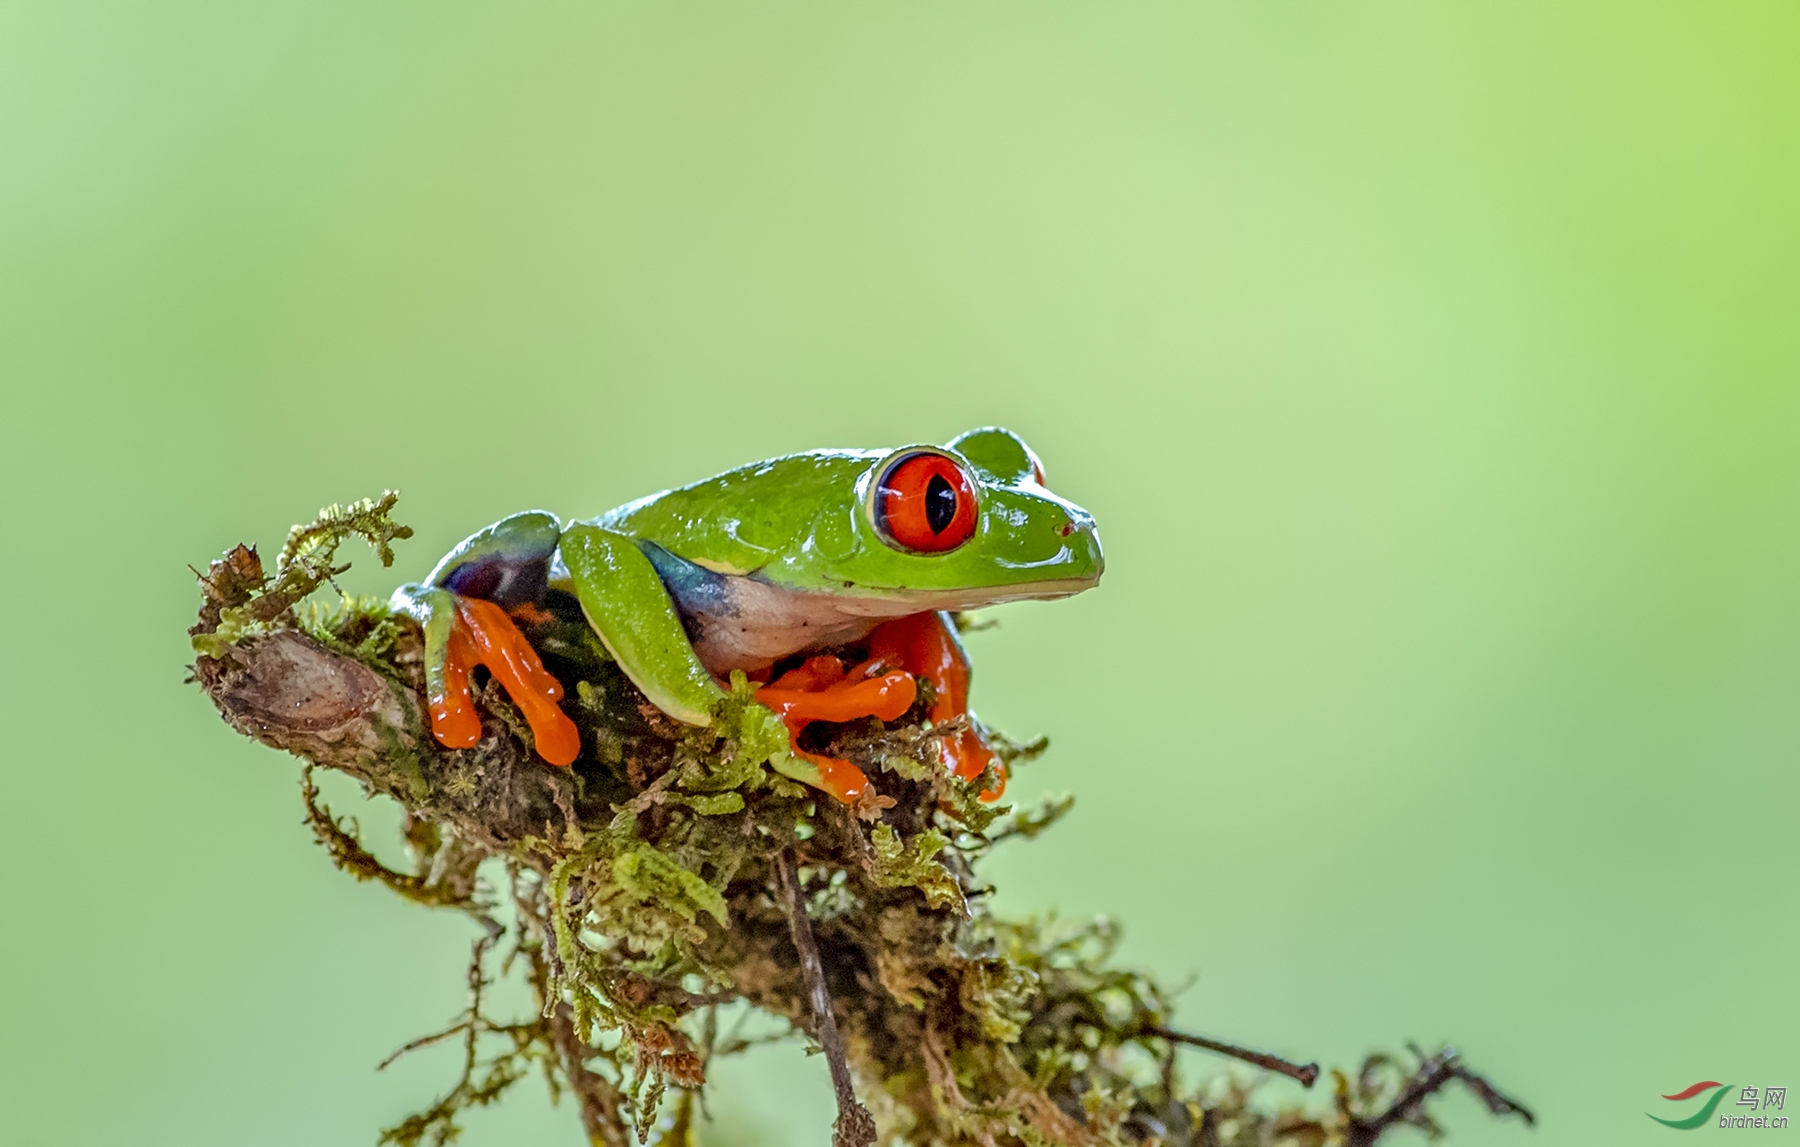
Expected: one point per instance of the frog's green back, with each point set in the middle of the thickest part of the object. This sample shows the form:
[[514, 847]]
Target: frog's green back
[[749, 518], [804, 522]]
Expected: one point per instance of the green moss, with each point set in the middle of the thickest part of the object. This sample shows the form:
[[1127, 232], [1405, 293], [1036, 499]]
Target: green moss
[[899, 864], [243, 603]]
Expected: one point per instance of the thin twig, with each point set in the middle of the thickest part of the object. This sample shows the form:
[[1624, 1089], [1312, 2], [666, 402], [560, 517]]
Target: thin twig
[[423, 1041], [1433, 1073], [855, 1127], [1305, 1073], [1497, 1102]]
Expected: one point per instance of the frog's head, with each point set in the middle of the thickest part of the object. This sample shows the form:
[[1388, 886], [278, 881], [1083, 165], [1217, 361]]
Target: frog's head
[[966, 525]]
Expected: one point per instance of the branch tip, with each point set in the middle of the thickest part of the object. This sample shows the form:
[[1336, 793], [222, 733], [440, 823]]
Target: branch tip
[[1306, 1074]]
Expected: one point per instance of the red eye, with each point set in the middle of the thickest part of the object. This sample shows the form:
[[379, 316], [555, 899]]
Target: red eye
[[925, 503]]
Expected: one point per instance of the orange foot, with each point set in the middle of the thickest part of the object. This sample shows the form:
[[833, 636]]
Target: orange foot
[[821, 690], [483, 634], [884, 686], [924, 644]]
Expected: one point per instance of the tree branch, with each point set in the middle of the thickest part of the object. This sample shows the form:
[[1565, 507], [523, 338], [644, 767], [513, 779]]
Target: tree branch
[[855, 1126]]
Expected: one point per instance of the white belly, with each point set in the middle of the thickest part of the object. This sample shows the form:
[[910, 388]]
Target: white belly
[[752, 624], [741, 622]]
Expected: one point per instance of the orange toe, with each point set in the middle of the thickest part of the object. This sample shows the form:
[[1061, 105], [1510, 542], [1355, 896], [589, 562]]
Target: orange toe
[[815, 674], [820, 690], [453, 719], [886, 697], [490, 638], [840, 778], [968, 758]]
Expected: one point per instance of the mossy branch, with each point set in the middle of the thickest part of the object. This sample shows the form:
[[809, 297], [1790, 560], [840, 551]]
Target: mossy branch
[[672, 871]]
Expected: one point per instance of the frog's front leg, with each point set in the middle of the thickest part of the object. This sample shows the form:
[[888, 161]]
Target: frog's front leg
[[462, 608], [926, 645], [627, 603], [821, 690], [629, 607]]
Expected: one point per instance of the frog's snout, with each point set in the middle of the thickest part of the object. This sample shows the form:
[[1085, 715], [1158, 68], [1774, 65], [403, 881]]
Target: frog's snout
[[1081, 539]]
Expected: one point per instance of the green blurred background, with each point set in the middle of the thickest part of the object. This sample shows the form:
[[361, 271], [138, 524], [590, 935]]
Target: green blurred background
[[1432, 370]]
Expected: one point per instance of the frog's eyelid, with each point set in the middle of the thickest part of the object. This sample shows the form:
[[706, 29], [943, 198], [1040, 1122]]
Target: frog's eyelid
[[1000, 456]]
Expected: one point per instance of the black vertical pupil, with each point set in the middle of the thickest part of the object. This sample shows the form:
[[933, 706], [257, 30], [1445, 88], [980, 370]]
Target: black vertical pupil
[[940, 504]]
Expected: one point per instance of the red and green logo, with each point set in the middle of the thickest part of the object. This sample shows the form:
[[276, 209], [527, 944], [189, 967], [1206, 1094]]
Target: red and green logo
[[1706, 1110]]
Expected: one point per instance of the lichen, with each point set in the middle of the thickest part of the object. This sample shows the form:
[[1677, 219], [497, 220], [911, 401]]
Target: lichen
[[636, 894]]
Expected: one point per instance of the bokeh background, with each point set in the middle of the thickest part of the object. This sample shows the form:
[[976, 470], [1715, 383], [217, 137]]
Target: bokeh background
[[1432, 370]]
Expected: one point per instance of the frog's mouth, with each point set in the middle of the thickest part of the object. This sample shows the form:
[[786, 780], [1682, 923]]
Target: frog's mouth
[[920, 600], [874, 601], [1056, 577]]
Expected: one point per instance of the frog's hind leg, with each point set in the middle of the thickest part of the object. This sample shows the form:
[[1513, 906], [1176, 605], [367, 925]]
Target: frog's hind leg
[[461, 609]]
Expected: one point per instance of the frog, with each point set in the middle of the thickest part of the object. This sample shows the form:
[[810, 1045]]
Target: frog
[[773, 570]]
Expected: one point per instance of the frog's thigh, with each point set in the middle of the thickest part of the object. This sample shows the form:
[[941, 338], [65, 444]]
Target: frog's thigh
[[627, 605], [507, 562]]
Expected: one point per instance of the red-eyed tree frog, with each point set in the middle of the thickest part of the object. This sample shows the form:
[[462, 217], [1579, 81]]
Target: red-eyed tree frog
[[826, 550]]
